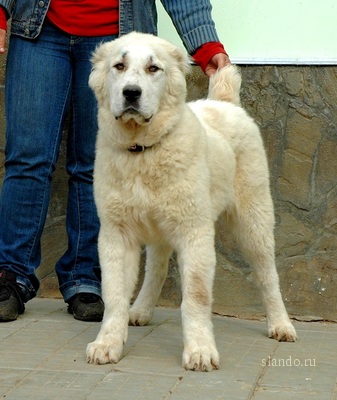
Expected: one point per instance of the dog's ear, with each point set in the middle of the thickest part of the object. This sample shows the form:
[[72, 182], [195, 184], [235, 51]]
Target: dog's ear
[[100, 68], [181, 58], [179, 67]]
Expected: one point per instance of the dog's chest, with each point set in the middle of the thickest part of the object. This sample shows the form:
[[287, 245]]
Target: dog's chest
[[145, 207], [142, 214], [142, 192]]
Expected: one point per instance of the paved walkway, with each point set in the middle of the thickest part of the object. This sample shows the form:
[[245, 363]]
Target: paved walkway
[[42, 357]]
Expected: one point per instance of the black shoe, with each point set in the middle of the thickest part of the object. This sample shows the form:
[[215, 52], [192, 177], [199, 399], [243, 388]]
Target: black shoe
[[11, 304], [86, 307]]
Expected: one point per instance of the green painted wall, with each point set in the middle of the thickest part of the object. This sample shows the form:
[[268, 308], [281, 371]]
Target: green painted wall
[[272, 31]]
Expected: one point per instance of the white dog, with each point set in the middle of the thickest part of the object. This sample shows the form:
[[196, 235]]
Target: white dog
[[164, 172]]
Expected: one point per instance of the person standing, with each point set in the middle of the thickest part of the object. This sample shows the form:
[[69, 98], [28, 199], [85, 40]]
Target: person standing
[[47, 71]]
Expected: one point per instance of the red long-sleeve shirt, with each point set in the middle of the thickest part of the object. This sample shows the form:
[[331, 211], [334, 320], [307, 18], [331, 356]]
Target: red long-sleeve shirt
[[95, 18]]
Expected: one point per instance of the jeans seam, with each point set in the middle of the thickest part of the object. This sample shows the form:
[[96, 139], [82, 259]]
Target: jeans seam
[[74, 155]]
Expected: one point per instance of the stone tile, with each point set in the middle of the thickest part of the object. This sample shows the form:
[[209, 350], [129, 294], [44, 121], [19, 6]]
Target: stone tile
[[42, 356]]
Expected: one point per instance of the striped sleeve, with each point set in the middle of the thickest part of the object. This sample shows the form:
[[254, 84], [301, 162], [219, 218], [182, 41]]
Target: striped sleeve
[[193, 22]]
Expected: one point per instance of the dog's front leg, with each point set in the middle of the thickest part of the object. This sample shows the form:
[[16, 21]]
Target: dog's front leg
[[197, 265], [119, 263]]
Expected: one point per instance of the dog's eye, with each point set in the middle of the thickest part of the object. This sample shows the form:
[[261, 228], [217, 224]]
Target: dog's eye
[[119, 66], [153, 68]]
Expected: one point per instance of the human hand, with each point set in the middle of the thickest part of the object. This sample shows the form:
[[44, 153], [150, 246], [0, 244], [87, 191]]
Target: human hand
[[2, 41], [218, 61]]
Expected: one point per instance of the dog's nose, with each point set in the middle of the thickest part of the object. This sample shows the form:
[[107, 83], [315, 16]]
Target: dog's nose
[[132, 93]]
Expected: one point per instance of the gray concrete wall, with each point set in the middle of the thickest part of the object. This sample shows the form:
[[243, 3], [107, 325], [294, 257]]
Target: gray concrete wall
[[296, 109]]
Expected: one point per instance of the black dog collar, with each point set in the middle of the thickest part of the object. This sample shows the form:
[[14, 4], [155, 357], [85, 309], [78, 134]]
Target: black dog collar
[[137, 148]]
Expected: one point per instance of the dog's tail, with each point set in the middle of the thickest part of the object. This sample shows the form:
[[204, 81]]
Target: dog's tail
[[225, 85]]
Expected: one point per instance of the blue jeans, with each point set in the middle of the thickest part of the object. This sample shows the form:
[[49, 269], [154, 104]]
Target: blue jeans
[[45, 78]]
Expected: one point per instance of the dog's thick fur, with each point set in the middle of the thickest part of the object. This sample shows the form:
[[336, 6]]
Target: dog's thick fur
[[198, 160]]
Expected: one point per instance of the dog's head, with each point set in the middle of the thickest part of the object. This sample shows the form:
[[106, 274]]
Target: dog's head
[[138, 75]]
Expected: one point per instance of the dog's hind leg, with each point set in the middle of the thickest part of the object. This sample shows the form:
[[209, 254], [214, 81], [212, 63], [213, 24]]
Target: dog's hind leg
[[157, 258], [255, 234], [196, 257]]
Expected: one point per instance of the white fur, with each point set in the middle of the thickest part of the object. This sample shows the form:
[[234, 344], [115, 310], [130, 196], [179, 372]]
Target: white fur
[[203, 158]]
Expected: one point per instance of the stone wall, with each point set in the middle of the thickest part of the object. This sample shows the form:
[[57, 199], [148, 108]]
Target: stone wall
[[296, 109]]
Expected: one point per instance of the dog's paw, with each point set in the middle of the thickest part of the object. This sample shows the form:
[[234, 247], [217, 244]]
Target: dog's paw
[[283, 332], [140, 316], [204, 359], [104, 352]]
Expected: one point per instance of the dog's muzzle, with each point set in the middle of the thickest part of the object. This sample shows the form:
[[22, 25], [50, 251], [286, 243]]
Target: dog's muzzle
[[131, 106]]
